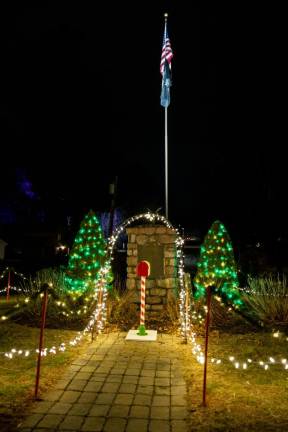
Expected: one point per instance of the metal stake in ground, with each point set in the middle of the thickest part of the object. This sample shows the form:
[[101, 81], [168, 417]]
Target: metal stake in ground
[[43, 321], [97, 323], [8, 286], [206, 344], [143, 270]]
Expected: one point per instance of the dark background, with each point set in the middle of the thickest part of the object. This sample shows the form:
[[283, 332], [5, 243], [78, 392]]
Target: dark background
[[80, 104]]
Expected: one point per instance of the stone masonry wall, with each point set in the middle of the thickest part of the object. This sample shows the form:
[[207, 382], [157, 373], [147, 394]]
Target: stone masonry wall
[[158, 290]]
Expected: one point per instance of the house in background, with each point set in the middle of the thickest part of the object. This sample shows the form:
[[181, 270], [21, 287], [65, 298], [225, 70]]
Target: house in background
[[3, 245]]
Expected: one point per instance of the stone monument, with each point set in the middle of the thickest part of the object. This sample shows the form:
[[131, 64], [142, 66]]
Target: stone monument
[[155, 244]]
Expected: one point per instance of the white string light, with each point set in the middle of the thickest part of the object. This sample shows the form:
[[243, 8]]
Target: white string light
[[20, 290], [7, 270], [266, 294], [198, 354], [93, 322], [98, 317]]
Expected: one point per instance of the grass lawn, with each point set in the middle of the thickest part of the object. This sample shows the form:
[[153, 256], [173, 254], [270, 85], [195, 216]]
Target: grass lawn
[[17, 376], [240, 400]]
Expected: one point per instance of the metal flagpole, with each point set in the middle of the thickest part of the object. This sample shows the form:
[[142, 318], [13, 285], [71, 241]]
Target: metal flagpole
[[166, 147], [166, 162], [166, 57]]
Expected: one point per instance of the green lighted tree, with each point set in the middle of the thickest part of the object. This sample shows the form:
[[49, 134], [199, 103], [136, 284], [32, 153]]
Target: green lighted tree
[[216, 266], [87, 254]]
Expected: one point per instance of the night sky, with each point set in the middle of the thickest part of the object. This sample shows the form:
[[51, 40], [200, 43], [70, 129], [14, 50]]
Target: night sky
[[80, 104]]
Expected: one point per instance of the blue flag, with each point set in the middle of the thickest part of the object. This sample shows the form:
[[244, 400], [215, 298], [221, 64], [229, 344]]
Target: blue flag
[[166, 84]]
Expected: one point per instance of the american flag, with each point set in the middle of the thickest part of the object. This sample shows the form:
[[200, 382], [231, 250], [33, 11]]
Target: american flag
[[167, 53]]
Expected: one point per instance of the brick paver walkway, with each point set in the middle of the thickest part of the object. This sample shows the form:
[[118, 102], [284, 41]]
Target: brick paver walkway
[[117, 386]]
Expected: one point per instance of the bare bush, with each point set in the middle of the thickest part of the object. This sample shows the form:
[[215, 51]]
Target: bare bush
[[121, 310]]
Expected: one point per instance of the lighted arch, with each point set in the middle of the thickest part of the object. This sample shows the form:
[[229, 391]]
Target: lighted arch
[[155, 217]]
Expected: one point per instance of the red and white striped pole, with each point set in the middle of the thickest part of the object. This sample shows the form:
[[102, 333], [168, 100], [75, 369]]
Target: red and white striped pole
[[143, 270], [142, 304]]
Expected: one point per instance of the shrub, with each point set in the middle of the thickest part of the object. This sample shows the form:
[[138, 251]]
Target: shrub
[[65, 309], [267, 297], [53, 277], [121, 310]]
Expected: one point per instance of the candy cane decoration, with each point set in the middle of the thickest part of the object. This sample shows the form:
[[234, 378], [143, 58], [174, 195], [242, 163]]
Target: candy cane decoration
[[143, 270], [142, 305]]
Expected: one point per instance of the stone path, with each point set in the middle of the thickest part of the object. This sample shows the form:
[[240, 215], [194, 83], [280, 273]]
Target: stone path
[[117, 386]]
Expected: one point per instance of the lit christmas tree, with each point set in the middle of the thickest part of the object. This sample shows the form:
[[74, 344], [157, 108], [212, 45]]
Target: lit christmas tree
[[216, 266], [87, 255]]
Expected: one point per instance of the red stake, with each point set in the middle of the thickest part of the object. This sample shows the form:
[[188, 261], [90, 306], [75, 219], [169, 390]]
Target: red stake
[[43, 321], [206, 344], [99, 304], [8, 287]]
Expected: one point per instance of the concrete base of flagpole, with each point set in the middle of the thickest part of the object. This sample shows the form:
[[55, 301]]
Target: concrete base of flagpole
[[151, 335]]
